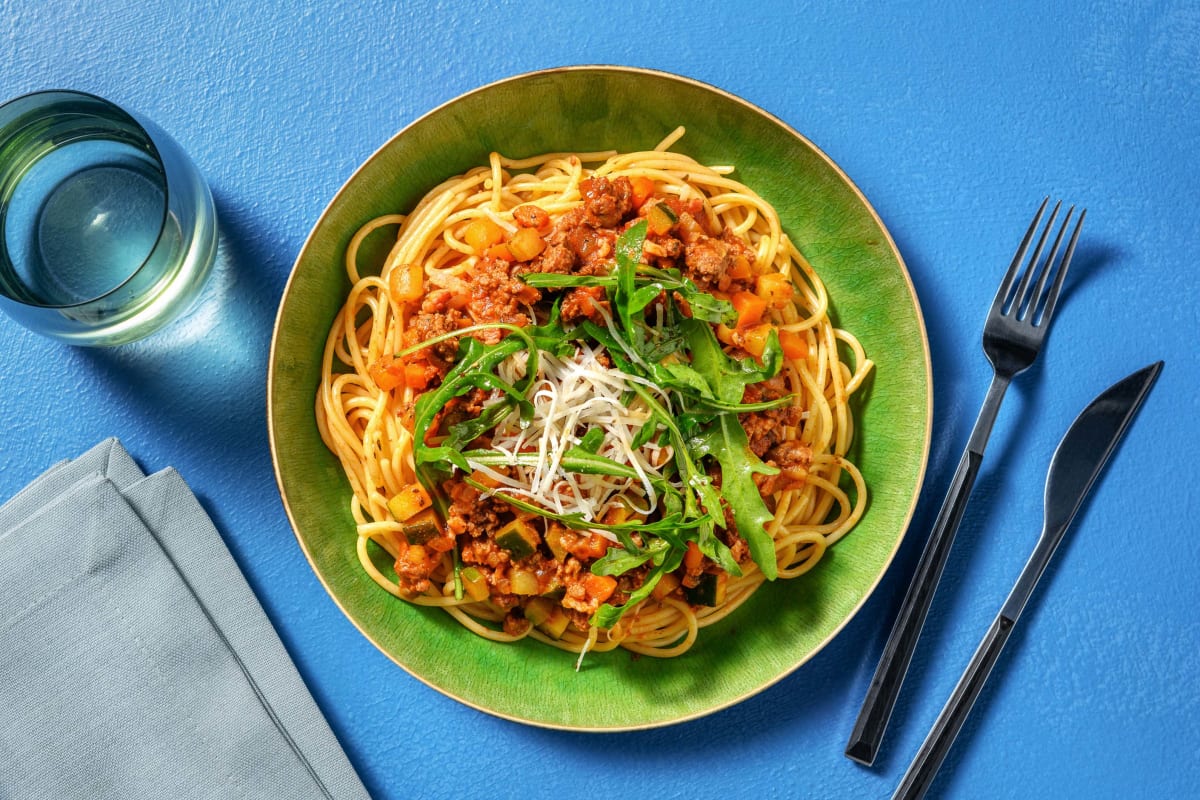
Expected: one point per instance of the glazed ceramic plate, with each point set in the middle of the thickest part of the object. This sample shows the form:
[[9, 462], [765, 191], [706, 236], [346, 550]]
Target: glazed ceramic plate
[[785, 623]]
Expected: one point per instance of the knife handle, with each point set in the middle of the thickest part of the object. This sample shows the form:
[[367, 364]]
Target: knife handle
[[897, 654], [929, 758]]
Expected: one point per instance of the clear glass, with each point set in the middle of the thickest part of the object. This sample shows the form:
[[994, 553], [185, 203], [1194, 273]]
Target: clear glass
[[107, 230]]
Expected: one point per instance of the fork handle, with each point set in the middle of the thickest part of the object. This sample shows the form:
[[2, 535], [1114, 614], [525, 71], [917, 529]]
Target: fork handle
[[897, 654], [933, 752]]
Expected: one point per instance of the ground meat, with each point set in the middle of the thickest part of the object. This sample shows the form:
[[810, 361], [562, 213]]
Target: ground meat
[[793, 459], [515, 623], [732, 537], [593, 249], [531, 216], [427, 324], [663, 251], [765, 429], [707, 260], [497, 296], [484, 552], [584, 303], [414, 564], [557, 258], [607, 203], [472, 514]]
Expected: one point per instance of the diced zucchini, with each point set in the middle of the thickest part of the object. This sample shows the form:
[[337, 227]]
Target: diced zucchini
[[554, 542], [518, 538], [474, 584], [556, 625], [660, 218], [710, 591], [666, 584], [422, 527], [538, 610], [523, 581], [408, 502]]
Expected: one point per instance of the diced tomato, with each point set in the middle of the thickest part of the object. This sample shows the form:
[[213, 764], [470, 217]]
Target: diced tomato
[[531, 216], [750, 308]]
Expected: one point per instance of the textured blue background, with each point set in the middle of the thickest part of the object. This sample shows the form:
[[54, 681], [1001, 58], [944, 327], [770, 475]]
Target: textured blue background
[[953, 122]]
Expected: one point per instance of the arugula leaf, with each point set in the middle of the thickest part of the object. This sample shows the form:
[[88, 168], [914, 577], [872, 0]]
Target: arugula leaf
[[607, 615], [725, 440], [728, 377], [619, 560], [592, 440]]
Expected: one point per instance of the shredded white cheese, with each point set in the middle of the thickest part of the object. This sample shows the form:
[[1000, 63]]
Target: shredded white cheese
[[571, 396]]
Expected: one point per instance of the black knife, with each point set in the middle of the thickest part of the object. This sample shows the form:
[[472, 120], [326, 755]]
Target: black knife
[[1077, 462]]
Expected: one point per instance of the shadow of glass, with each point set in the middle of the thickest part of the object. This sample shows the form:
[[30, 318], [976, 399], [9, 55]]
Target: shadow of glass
[[205, 371]]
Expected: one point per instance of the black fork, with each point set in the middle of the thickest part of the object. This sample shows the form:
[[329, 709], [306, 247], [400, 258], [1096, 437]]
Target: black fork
[[1012, 336]]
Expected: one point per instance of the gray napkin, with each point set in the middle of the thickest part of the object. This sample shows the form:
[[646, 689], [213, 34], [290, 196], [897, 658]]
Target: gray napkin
[[134, 659]]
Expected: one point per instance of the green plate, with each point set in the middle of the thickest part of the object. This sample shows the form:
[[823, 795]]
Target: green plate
[[785, 623]]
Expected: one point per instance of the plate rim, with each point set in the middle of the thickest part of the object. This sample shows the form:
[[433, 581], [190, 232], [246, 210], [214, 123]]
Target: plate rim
[[920, 325]]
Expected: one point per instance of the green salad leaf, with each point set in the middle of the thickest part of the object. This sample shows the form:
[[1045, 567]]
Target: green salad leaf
[[659, 333]]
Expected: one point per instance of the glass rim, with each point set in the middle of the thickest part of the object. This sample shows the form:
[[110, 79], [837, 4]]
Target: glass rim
[[154, 151]]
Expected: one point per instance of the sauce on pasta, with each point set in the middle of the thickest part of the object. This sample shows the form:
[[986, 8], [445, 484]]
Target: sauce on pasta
[[592, 398]]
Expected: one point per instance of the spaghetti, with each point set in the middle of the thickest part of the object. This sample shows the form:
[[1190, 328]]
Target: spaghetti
[[592, 398]]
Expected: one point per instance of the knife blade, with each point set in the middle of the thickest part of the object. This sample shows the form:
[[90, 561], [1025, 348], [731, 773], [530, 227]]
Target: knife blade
[[1077, 462]]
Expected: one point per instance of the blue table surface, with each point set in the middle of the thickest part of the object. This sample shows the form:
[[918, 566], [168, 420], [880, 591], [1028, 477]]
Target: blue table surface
[[954, 122]]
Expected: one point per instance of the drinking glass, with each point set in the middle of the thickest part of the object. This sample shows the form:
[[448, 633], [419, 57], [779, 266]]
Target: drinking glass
[[107, 230]]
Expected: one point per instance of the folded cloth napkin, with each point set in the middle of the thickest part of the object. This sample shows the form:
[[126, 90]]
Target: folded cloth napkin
[[135, 660]]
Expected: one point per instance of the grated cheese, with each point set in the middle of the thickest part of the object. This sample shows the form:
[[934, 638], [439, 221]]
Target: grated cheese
[[570, 396]]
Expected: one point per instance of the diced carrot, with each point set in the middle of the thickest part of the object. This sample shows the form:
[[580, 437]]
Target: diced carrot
[[593, 546], [500, 251], [693, 557], [775, 289], [727, 335], [599, 587], [387, 372], [750, 308], [406, 282], [481, 234], [483, 479], [794, 345], [754, 339], [741, 268], [416, 377], [525, 244], [643, 189]]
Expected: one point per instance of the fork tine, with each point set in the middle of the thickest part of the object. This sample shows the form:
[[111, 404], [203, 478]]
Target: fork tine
[[1007, 282], [1021, 295], [1036, 297], [1052, 295]]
